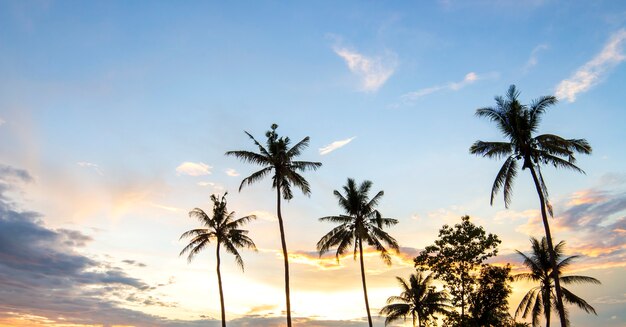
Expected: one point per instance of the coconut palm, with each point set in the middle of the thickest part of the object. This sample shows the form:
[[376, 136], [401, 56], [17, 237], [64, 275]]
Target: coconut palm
[[541, 299], [518, 123], [418, 299], [225, 230], [278, 157], [362, 223]]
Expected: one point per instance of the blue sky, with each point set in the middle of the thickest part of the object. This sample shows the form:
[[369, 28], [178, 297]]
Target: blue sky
[[103, 103]]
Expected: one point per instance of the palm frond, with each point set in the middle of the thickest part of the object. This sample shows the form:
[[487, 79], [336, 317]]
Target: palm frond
[[579, 302], [298, 147], [251, 157], [305, 165], [578, 280], [495, 150], [255, 177]]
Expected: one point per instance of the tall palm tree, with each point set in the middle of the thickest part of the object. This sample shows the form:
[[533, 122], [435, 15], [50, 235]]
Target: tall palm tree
[[362, 223], [419, 299], [541, 299], [518, 123], [222, 228], [278, 157]]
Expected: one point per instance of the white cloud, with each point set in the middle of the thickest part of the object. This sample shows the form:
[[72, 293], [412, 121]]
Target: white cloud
[[2, 121], [264, 215], [216, 187], [532, 60], [373, 71], [232, 172], [469, 78], [592, 72], [90, 165], [335, 145], [193, 169]]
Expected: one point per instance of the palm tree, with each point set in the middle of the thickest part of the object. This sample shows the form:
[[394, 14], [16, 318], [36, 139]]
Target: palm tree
[[418, 299], [277, 157], [541, 298], [225, 230], [362, 222], [518, 123]]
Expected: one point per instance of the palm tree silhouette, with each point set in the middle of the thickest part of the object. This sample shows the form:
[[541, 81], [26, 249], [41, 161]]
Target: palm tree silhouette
[[278, 157], [362, 222], [225, 230], [540, 299], [518, 123], [419, 299]]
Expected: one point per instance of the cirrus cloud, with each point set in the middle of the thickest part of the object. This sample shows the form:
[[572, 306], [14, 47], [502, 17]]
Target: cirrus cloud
[[372, 71], [334, 146], [592, 72]]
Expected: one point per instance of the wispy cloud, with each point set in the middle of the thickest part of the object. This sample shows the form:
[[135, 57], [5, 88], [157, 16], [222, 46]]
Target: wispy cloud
[[373, 71], [469, 78], [193, 169], [532, 60], [2, 121], [335, 145], [232, 172], [592, 72], [90, 165]]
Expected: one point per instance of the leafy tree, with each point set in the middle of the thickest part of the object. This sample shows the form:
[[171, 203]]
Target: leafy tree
[[488, 304], [277, 157], [225, 230], [541, 299], [458, 252], [518, 124], [418, 299], [362, 223]]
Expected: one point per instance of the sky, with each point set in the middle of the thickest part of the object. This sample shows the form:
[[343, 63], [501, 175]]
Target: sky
[[115, 117]]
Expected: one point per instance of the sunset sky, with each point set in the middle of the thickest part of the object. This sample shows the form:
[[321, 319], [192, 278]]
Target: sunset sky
[[115, 117]]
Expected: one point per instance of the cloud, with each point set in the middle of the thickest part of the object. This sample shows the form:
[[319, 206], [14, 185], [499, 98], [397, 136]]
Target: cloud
[[2, 121], [264, 215], [45, 280], [592, 72], [232, 172], [469, 78], [334, 146], [373, 71], [595, 220], [193, 169], [93, 166], [532, 60]]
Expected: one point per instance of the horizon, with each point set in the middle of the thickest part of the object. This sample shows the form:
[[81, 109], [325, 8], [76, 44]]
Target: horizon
[[115, 119]]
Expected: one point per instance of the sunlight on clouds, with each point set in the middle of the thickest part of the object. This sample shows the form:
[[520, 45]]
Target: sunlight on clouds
[[592, 72], [586, 197], [193, 169], [334, 146], [232, 172], [373, 72]]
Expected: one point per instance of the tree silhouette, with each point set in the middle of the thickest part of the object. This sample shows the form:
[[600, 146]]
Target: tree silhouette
[[225, 230], [541, 299], [277, 157], [362, 223], [518, 124], [418, 299]]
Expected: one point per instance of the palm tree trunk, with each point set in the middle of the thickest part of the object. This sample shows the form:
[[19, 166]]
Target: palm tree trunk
[[555, 275], [285, 257], [219, 282], [367, 304]]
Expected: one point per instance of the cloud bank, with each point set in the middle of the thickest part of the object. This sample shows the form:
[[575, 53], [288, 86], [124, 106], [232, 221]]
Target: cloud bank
[[592, 72]]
